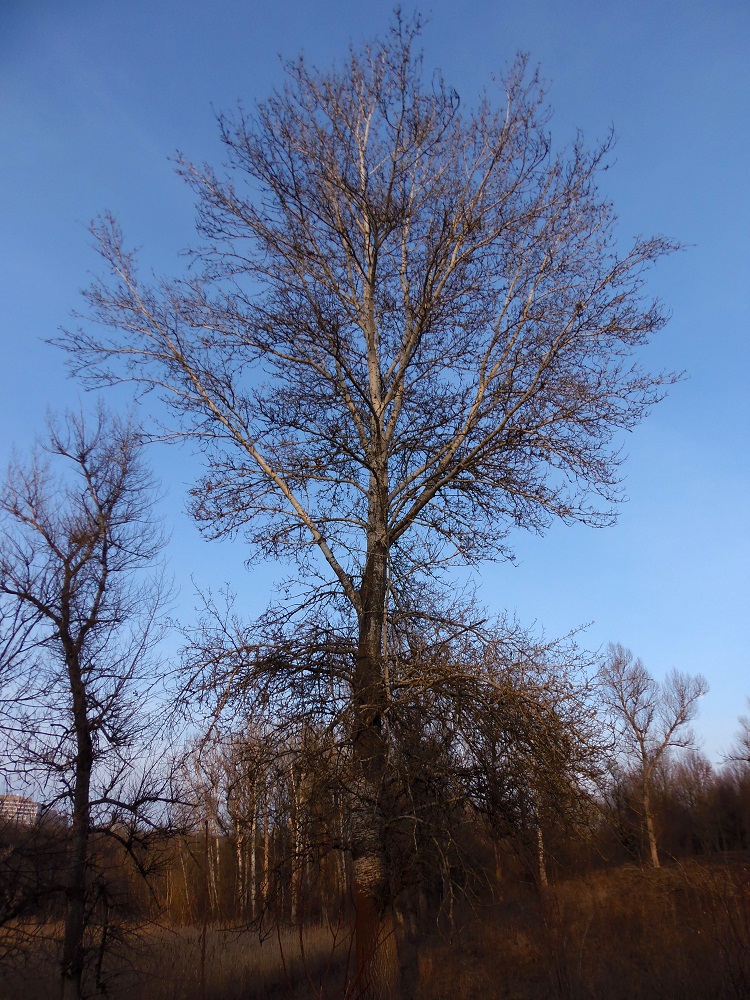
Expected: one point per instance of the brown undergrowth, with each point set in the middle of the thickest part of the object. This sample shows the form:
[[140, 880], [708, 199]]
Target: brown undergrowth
[[680, 933], [182, 963]]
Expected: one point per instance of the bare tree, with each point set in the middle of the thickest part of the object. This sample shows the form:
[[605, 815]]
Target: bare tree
[[534, 746], [740, 749], [408, 329], [79, 600], [650, 719]]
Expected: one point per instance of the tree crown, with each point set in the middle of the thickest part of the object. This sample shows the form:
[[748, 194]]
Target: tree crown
[[405, 321]]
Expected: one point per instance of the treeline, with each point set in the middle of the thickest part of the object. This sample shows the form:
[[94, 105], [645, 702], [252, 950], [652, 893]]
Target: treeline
[[260, 839], [275, 854], [700, 810]]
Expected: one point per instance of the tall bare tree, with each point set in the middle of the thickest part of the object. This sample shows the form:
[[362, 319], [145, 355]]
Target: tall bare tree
[[408, 329], [79, 600], [650, 719]]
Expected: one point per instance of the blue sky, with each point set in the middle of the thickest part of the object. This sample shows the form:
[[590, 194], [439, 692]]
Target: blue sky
[[95, 96]]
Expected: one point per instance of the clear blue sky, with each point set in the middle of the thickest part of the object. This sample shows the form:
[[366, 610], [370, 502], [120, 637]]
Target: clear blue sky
[[96, 95]]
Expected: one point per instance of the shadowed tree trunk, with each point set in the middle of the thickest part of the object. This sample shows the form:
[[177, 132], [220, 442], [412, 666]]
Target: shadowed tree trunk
[[377, 967], [75, 889]]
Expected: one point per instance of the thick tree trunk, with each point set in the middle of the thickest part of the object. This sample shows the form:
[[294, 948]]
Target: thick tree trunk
[[377, 966], [376, 952], [73, 950]]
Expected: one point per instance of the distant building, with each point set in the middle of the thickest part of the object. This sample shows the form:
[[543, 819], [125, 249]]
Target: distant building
[[19, 810]]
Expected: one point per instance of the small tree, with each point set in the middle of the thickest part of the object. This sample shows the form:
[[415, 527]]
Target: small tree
[[79, 601], [649, 719]]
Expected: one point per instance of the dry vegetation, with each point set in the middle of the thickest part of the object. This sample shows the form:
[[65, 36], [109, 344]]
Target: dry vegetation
[[683, 932], [181, 963], [626, 933]]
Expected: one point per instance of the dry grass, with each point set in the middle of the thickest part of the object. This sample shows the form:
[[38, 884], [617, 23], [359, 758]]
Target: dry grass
[[174, 964], [682, 933]]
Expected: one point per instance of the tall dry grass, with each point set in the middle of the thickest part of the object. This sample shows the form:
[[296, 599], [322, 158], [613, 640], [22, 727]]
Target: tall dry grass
[[161, 963], [681, 933]]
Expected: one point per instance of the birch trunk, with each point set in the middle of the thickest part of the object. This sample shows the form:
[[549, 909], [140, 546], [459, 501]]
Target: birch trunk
[[541, 861], [650, 829]]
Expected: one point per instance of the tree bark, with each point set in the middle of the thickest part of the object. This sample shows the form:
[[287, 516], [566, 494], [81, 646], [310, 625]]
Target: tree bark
[[650, 829], [253, 855], [265, 881], [240, 862], [376, 952], [73, 945], [541, 860], [188, 908], [377, 967]]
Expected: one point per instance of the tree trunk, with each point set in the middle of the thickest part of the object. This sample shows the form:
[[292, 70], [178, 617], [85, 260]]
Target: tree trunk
[[75, 889], [265, 883], [377, 967], [253, 855], [498, 869], [188, 909], [541, 860], [650, 831], [295, 888], [240, 904], [376, 952], [216, 874]]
